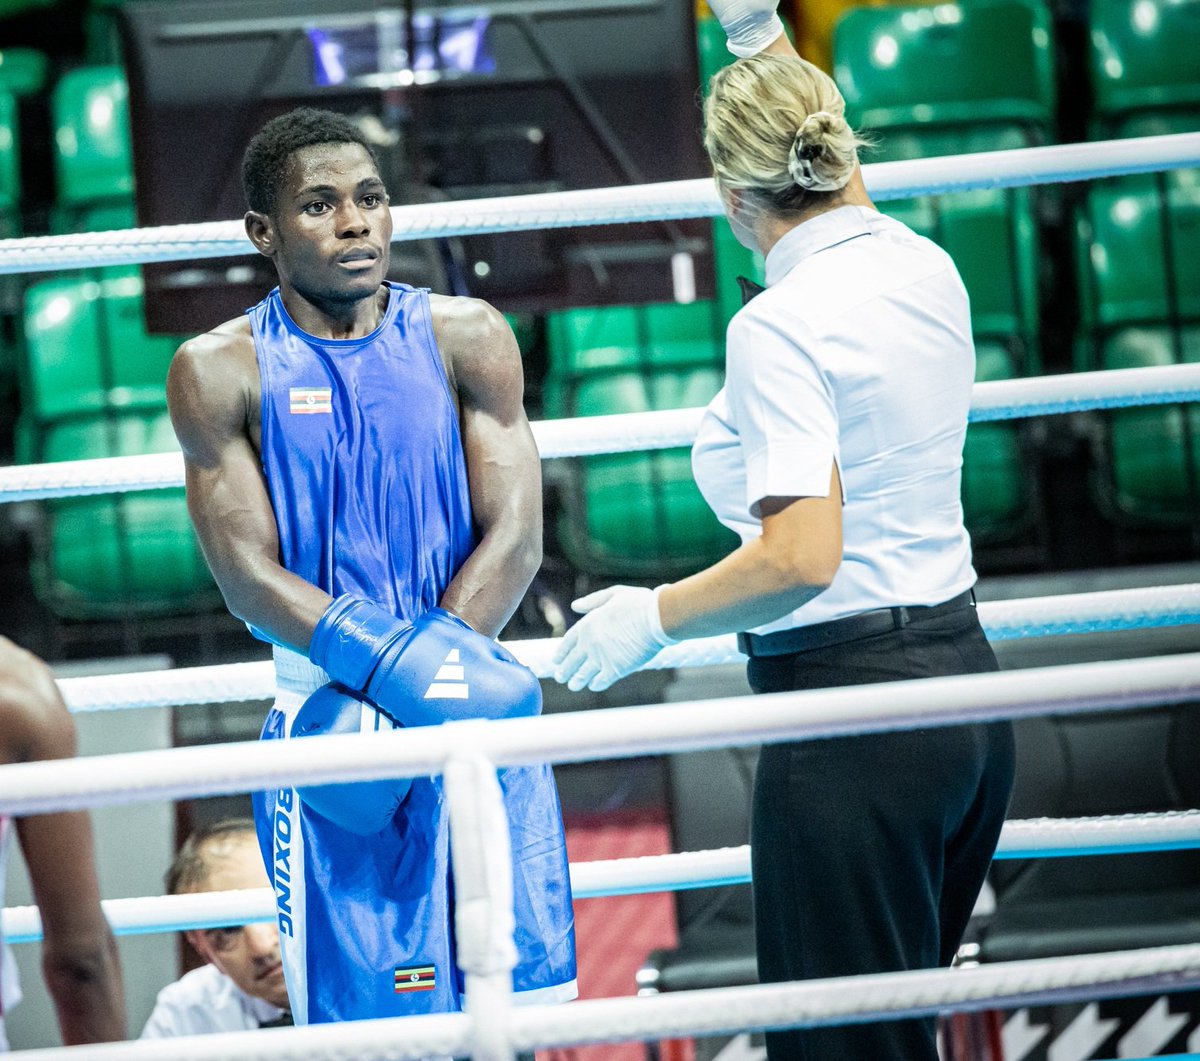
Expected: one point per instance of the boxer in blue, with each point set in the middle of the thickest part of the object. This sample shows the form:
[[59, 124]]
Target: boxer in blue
[[367, 491]]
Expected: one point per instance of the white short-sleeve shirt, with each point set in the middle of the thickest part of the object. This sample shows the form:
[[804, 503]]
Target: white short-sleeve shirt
[[206, 1001], [859, 354]]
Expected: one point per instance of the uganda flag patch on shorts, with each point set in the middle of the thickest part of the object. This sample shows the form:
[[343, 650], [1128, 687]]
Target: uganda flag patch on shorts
[[311, 399], [415, 978]]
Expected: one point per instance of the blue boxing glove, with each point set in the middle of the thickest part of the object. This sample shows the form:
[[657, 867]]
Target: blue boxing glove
[[363, 807], [435, 669]]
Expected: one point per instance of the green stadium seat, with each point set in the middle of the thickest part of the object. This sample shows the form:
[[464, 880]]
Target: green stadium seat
[[1144, 57], [1141, 264], [1160, 123], [118, 555], [935, 140], [106, 217], [641, 515], [1140, 281], [21, 7], [10, 168], [91, 131], [9, 362], [86, 348], [636, 515], [1153, 451], [94, 385], [996, 488], [23, 71], [658, 336], [949, 64]]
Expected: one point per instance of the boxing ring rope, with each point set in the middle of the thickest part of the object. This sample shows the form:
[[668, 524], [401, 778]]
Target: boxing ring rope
[[671, 200], [467, 753], [612, 733], [1033, 838], [623, 432], [718, 1011], [1075, 613]]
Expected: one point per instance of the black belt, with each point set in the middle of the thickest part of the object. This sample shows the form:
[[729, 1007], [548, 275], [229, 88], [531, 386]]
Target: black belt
[[853, 627]]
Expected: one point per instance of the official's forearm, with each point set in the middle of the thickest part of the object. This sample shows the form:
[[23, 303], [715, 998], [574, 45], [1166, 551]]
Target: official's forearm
[[746, 589], [781, 45], [490, 585], [84, 980]]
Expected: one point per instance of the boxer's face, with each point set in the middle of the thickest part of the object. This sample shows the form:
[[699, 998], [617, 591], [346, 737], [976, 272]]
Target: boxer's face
[[331, 227], [247, 954]]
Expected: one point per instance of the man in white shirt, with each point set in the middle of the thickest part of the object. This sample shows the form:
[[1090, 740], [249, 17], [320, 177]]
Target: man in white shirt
[[242, 986]]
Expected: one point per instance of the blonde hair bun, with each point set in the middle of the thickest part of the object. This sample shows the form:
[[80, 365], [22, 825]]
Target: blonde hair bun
[[775, 127], [817, 160]]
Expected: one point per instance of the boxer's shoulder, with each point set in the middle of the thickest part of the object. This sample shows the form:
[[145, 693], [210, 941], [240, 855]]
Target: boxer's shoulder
[[475, 340], [214, 378], [220, 357], [459, 318]]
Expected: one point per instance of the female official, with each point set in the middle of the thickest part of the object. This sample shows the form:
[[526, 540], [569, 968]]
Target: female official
[[835, 452]]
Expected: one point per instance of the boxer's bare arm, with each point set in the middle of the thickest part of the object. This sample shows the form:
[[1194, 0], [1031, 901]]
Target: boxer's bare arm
[[503, 465], [79, 954], [213, 392]]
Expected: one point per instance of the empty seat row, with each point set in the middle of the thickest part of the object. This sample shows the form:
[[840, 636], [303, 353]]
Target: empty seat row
[[91, 141], [94, 385], [630, 514], [1140, 307], [117, 556], [92, 381], [1139, 277], [928, 82]]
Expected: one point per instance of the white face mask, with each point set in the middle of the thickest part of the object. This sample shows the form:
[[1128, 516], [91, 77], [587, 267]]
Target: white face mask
[[742, 217]]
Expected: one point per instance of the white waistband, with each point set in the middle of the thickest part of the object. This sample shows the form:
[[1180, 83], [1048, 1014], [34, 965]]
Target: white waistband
[[295, 673]]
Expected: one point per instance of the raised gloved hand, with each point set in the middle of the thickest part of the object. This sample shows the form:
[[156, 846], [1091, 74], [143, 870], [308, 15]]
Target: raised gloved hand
[[750, 25], [363, 807], [432, 670], [620, 632]]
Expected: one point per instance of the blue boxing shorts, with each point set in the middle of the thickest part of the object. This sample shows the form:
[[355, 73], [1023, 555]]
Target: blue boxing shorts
[[366, 924]]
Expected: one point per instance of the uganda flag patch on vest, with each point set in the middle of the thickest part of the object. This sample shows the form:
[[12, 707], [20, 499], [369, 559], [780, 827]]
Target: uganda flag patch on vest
[[415, 978], [310, 399]]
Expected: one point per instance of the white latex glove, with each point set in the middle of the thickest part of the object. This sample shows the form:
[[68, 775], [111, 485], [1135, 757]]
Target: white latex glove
[[750, 25], [620, 631]]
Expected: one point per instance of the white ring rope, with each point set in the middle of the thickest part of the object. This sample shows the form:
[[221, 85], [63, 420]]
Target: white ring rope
[[1031, 838], [1074, 613], [647, 202], [692, 1013], [626, 432], [490, 1027], [31, 788]]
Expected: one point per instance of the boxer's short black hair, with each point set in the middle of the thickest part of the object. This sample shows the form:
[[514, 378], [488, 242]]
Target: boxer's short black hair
[[266, 155]]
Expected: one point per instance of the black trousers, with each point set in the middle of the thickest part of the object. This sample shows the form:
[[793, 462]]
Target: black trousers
[[869, 852]]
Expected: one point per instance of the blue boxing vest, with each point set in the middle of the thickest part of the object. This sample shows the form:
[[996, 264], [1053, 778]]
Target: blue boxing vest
[[366, 474], [362, 454]]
